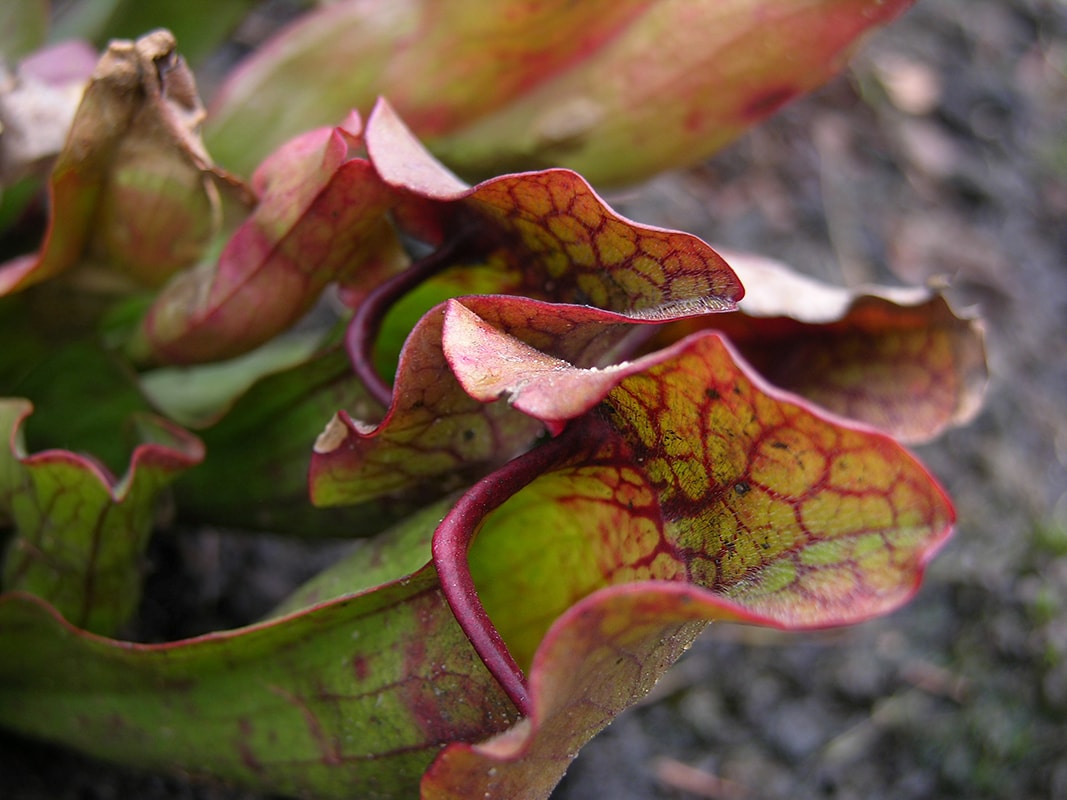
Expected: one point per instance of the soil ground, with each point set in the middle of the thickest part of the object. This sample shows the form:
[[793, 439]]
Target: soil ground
[[941, 154]]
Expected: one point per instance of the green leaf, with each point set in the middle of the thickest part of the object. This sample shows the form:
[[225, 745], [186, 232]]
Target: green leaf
[[82, 394], [272, 426], [81, 533], [353, 697], [200, 395]]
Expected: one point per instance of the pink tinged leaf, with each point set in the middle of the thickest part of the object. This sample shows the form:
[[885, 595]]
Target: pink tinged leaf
[[134, 195], [320, 219], [899, 359], [545, 234], [438, 433], [525, 351], [693, 491], [681, 81], [433, 439], [554, 237], [440, 67], [404, 162], [617, 91], [660, 550], [80, 532]]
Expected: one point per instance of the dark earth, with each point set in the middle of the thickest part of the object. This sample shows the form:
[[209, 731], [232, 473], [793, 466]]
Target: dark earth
[[940, 155]]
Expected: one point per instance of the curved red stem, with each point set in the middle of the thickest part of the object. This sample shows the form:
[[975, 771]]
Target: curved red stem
[[367, 321], [452, 542]]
